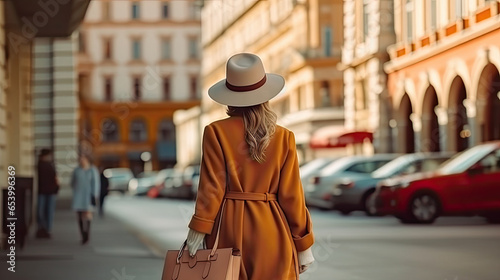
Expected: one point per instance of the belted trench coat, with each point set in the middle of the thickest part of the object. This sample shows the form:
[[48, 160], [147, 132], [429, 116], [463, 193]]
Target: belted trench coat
[[268, 233]]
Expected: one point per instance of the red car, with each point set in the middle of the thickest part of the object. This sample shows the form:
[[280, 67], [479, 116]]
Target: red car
[[467, 184]]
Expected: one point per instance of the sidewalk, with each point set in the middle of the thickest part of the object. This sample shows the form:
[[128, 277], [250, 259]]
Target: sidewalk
[[113, 252]]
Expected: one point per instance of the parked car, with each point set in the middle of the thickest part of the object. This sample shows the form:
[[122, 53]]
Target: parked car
[[119, 178], [162, 175], [312, 168], [173, 186], [352, 193], [191, 178], [467, 184], [143, 182], [318, 190]]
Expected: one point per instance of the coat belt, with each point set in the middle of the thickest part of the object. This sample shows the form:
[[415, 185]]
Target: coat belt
[[251, 196]]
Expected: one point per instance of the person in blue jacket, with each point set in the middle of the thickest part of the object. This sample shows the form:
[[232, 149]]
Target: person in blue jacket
[[85, 183]]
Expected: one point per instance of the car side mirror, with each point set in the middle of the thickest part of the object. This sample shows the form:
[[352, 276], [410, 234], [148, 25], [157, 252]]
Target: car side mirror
[[475, 169]]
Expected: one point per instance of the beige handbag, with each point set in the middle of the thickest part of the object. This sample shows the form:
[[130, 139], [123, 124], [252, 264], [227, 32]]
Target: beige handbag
[[207, 264]]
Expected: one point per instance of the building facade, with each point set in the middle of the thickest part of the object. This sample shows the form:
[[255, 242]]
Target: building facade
[[35, 87], [138, 62], [444, 78], [300, 40], [368, 31]]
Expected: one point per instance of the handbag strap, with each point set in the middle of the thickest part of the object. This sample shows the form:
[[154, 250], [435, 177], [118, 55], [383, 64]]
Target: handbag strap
[[216, 243]]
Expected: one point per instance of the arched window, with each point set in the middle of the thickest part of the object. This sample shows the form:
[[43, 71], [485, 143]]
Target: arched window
[[110, 130], [166, 130], [138, 131]]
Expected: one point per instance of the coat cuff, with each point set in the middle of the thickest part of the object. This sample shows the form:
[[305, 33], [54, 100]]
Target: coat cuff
[[304, 242], [202, 225]]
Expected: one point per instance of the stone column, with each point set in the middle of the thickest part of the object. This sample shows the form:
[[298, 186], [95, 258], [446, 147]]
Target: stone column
[[442, 115]]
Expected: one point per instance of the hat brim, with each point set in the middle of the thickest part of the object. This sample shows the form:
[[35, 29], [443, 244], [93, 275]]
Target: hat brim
[[221, 94]]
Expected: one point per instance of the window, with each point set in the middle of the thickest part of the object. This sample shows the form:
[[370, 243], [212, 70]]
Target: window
[[366, 17], [108, 46], [433, 14], [81, 42], [136, 10], [165, 10], [327, 41], [166, 89], [409, 20], [194, 87], [166, 48], [138, 131], [166, 131], [193, 47], [137, 89], [106, 11], [136, 49], [108, 89], [325, 94], [110, 131]]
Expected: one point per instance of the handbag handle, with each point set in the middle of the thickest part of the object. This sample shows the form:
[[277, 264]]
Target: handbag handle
[[216, 243]]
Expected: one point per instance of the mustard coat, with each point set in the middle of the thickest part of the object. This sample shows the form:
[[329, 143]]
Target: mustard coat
[[257, 228]]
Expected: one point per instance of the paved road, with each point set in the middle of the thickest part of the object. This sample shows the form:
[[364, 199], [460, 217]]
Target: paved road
[[348, 248]]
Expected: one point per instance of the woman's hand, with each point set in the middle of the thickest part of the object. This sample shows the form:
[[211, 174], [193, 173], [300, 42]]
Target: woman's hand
[[194, 240], [306, 258]]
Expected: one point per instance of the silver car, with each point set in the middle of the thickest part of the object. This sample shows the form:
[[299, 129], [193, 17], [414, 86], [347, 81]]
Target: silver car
[[143, 182], [318, 191], [119, 178], [353, 193], [312, 168]]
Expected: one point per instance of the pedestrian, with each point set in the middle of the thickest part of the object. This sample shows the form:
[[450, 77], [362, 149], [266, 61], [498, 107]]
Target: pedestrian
[[85, 184], [103, 193], [48, 187], [251, 162]]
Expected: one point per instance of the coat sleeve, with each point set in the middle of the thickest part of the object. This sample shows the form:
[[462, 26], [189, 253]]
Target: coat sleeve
[[212, 183], [291, 199]]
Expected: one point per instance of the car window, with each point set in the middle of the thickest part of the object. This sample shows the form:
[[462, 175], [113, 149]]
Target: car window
[[430, 164], [491, 162], [366, 167]]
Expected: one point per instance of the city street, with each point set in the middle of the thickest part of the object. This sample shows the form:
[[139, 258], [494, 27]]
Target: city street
[[347, 248]]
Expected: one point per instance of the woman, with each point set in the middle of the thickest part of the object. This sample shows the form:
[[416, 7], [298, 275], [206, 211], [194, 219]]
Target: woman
[[85, 184], [252, 163]]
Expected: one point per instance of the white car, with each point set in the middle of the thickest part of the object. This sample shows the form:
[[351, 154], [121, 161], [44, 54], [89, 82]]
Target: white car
[[119, 178]]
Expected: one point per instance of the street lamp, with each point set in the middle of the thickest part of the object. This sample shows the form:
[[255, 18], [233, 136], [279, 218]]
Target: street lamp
[[148, 164]]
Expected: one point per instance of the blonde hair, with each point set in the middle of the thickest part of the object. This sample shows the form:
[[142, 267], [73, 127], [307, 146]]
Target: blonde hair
[[260, 126]]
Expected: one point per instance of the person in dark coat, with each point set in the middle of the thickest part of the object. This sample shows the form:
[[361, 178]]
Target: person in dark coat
[[48, 187], [104, 192]]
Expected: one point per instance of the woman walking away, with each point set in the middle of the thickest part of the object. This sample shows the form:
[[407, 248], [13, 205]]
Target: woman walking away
[[85, 184], [251, 162]]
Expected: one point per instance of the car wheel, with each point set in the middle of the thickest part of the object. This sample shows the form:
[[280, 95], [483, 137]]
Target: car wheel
[[345, 212], [423, 208], [369, 208]]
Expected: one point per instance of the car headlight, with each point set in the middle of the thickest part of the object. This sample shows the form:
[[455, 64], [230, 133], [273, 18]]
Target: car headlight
[[132, 185]]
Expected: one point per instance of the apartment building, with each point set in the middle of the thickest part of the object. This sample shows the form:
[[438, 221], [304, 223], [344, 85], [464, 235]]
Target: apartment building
[[138, 62], [443, 74]]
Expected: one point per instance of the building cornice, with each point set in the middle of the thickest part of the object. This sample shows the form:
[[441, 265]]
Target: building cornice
[[138, 23], [444, 45]]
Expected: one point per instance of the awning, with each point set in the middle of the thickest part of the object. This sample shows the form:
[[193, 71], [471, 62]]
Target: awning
[[335, 137], [46, 18]]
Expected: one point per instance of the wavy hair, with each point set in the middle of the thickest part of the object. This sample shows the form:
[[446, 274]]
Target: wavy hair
[[260, 126]]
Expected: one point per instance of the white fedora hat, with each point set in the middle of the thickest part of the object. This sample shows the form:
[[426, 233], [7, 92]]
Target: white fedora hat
[[246, 82]]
